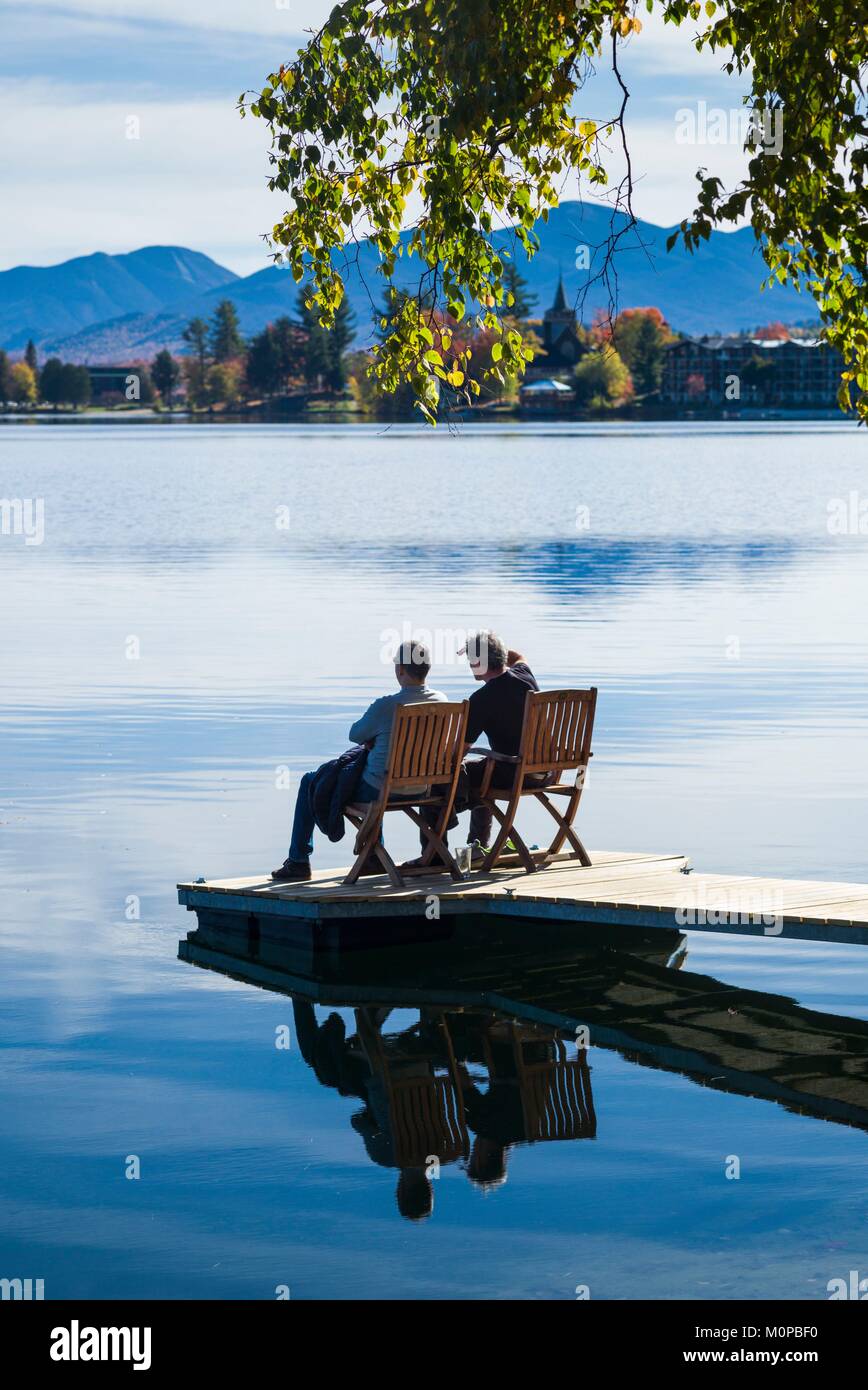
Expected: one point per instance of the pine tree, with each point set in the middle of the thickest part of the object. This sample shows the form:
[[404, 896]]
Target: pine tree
[[30, 356], [75, 388], [51, 382], [226, 340], [166, 374], [196, 334], [338, 340], [262, 368], [397, 404], [291, 348], [316, 357], [516, 285]]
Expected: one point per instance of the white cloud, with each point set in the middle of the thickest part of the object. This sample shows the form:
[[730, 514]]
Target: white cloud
[[194, 177], [289, 17], [665, 171], [667, 50]]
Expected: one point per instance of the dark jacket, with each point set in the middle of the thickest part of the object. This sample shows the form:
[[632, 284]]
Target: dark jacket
[[332, 786]]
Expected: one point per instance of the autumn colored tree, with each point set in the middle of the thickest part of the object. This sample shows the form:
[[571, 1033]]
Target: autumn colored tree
[[22, 384], [223, 385], [195, 382], [773, 333], [640, 337], [695, 386], [602, 379]]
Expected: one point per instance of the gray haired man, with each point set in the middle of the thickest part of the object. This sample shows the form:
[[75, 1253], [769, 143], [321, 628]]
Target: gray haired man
[[374, 729]]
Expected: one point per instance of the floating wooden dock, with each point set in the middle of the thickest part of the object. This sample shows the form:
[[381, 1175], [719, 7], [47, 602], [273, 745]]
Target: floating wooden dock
[[619, 889]]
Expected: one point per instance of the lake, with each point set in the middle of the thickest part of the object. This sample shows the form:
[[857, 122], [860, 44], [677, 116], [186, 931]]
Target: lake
[[201, 613]]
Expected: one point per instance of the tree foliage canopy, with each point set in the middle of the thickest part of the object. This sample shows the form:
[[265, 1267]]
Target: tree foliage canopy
[[467, 118], [602, 379]]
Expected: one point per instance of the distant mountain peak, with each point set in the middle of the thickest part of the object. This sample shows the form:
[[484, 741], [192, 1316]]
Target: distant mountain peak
[[106, 307], [51, 303]]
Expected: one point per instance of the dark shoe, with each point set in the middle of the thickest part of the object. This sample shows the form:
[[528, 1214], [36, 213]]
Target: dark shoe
[[291, 871], [435, 867]]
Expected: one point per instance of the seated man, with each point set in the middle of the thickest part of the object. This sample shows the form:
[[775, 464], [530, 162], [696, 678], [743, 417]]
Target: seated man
[[374, 730], [497, 710]]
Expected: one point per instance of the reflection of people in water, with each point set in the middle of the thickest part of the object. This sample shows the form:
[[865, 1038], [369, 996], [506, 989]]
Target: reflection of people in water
[[536, 1092], [421, 1103], [412, 1118]]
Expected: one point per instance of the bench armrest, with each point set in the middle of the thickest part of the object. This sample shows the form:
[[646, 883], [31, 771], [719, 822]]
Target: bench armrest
[[498, 757]]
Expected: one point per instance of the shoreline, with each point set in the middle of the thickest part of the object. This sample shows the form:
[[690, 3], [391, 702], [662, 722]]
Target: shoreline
[[499, 419]]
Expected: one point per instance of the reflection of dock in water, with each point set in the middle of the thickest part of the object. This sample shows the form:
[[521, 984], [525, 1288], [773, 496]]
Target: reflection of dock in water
[[493, 990]]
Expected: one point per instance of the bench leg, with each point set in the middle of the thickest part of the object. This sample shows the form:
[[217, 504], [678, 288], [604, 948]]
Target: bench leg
[[436, 843], [367, 843], [507, 822], [565, 831]]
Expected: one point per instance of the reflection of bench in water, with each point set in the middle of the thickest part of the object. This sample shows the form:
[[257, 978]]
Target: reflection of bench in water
[[738, 1040], [422, 1087], [538, 1090], [552, 1086]]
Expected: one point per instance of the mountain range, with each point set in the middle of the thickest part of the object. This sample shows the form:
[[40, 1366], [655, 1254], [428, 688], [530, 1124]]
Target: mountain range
[[103, 308]]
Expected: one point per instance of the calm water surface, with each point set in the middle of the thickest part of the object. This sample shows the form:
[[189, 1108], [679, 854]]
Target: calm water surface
[[209, 609]]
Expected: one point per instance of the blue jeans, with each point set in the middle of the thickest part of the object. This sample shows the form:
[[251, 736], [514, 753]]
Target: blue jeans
[[303, 823]]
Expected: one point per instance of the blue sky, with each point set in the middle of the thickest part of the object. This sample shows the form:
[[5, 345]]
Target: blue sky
[[73, 74]]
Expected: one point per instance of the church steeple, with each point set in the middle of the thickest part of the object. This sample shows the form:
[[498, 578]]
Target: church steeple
[[560, 304], [563, 346]]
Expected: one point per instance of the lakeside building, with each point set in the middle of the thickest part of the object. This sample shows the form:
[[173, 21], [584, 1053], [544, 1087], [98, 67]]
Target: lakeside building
[[547, 396], [562, 342], [109, 385], [795, 373]]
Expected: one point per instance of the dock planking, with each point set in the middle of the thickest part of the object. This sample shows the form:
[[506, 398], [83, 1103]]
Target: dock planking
[[618, 889]]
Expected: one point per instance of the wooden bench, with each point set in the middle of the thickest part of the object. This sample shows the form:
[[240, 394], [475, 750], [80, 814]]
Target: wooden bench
[[423, 770], [555, 740]]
